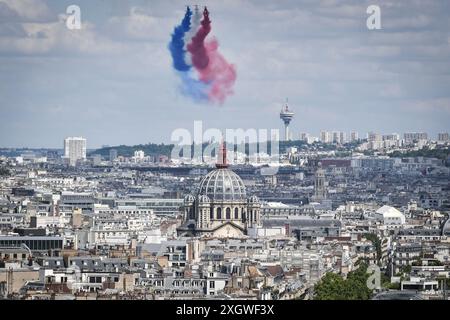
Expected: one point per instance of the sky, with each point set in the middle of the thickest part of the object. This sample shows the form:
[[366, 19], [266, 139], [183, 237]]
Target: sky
[[112, 81]]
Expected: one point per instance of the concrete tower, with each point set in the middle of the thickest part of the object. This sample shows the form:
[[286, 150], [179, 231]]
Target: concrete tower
[[286, 115]]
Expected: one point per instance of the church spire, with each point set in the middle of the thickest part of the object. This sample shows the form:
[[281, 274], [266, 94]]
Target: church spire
[[222, 156]]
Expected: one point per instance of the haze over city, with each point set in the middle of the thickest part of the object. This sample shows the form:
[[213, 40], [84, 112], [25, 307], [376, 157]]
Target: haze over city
[[112, 81], [238, 157]]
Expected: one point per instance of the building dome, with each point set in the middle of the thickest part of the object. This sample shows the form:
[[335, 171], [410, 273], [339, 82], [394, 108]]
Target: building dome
[[203, 198], [253, 199], [189, 198], [223, 185], [446, 228]]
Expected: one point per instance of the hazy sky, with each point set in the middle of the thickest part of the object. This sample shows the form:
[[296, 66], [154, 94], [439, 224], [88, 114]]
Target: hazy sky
[[112, 81]]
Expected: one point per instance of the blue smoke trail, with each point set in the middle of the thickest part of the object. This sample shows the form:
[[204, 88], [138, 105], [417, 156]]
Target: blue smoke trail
[[191, 87], [176, 46]]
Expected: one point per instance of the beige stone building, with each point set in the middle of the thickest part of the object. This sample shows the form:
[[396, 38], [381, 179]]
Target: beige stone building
[[221, 207]]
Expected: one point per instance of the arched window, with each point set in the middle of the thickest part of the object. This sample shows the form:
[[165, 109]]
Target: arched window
[[251, 215], [228, 213], [236, 213], [211, 213], [219, 213]]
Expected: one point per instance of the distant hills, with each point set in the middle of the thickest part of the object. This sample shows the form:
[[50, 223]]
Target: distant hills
[[442, 153], [153, 149]]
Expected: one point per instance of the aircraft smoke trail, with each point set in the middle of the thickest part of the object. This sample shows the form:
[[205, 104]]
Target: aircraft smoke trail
[[189, 85], [219, 72], [210, 64], [197, 48], [176, 45], [212, 77], [193, 88], [195, 24]]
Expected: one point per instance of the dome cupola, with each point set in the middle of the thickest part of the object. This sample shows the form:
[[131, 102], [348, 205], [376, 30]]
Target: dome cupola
[[222, 184]]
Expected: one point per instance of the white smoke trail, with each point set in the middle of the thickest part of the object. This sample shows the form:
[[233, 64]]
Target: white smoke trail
[[195, 24]]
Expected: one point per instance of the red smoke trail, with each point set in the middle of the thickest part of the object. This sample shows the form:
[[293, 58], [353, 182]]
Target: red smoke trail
[[210, 64], [197, 47], [219, 72]]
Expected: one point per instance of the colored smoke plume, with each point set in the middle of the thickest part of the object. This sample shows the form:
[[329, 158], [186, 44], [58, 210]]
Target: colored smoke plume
[[212, 77], [197, 48], [195, 24], [176, 46], [219, 72]]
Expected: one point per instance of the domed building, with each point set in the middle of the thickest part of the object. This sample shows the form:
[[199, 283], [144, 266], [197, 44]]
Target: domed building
[[221, 207], [446, 228]]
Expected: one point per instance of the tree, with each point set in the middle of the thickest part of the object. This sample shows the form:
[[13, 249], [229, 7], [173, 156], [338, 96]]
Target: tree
[[330, 287], [407, 269], [333, 286], [376, 242], [4, 171], [386, 283], [356, 284], [440, 152]]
